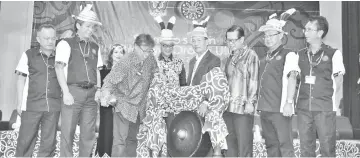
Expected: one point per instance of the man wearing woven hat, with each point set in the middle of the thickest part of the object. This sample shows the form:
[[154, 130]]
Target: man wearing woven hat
[[77, 67], [321, 67], [278, 71]]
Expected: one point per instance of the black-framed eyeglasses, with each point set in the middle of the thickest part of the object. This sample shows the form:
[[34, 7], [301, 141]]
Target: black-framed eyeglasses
[[228, 41], [270, 36], [308, 30], [168, 45], [150, 50]]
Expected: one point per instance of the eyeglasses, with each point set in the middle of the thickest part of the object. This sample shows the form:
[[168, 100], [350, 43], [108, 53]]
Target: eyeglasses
[[115, 46], [168, 45], [308, 30], [270, 36], [228, 41], [150, 50], [49, 38]]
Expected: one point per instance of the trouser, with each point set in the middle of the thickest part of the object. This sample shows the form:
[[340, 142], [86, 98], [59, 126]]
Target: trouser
[[84, 113], [324, 124], [28, 132], [105, 139], [169, 119], [277, 132], [240, 137], [125, 132]]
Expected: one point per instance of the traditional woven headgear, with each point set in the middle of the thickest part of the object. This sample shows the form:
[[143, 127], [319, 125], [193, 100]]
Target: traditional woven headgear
[[277, 24], [200, 28], [88, 15], [166, 33]]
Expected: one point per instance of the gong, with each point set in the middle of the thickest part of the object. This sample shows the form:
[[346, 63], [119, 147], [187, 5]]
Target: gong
[[184, 137]]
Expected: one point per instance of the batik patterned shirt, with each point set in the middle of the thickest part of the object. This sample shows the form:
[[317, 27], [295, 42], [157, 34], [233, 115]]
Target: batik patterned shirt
[[242, 68], [129, 82]]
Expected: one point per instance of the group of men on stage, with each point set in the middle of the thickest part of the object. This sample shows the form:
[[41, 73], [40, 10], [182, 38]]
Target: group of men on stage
[[66, 80]]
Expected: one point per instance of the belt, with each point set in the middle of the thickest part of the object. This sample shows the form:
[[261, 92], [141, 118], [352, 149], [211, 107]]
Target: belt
[[84, 86]]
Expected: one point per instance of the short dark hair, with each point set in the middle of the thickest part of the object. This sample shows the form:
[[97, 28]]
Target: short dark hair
[[322, 24], [238, 29], [45, 26], [77, 21], [145, 39], [110, 60]]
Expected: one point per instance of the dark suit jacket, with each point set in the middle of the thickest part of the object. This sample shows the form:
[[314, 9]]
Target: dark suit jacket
[[207, 63]]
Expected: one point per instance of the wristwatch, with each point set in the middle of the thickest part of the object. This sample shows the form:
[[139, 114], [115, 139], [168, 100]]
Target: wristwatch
[[290, 101]]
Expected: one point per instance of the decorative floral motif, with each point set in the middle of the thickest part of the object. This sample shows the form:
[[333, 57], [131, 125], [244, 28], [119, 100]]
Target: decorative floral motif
[[157, 8], [192, 10], [8, 142], [171, 70], [344, 148]]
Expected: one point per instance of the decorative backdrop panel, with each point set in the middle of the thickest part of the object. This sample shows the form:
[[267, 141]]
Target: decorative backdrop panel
[[123, 20]]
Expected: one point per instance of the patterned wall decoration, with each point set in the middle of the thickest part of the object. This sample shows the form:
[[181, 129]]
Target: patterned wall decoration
[[123, 20]]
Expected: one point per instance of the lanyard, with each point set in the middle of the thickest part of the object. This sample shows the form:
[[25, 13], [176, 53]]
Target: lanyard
[[268, 58], [317, 61], [46, 63]]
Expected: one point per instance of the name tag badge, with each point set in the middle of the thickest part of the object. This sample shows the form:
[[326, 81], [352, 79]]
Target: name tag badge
[[310, 79]]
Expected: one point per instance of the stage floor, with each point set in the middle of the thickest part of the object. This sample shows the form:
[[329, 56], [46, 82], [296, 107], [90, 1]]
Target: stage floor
[[344, 148]]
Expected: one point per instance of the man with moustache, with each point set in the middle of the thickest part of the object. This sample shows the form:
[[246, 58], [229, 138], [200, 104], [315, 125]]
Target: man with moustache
[[241, 68], [321, 66], [78, 61], [40, 94]]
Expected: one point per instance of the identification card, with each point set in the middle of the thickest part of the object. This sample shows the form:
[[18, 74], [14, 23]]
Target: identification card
[[310, 79]]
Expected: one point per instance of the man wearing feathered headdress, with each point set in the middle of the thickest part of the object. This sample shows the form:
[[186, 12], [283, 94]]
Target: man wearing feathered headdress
[[78, 61], [201, 64], [278, 72], [321, 68], [171, 66]]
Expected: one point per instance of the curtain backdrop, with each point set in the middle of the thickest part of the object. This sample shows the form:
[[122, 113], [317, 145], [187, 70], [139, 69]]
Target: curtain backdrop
[[351, 47]]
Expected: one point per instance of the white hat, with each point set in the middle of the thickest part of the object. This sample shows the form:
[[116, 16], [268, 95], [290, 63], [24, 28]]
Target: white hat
[[200, 28], [166, 33], [88, 15], [277, 24]]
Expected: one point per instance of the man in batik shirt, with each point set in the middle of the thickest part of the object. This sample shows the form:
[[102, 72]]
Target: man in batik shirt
[[241, 69], [126, 87], [172, 67]]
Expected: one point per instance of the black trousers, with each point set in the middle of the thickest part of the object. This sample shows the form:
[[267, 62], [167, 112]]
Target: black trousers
[[324, 124], [28, 132], [105, 139], [277, 132], [240, 137]]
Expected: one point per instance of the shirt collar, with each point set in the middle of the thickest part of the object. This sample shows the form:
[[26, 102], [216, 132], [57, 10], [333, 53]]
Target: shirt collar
[[161, 57], [40, 52], [277, 49], [243, 49], [201, 56], [322, 47], [77, 39]]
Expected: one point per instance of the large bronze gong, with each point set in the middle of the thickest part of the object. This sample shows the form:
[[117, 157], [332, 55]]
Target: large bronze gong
[[185, 139]]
